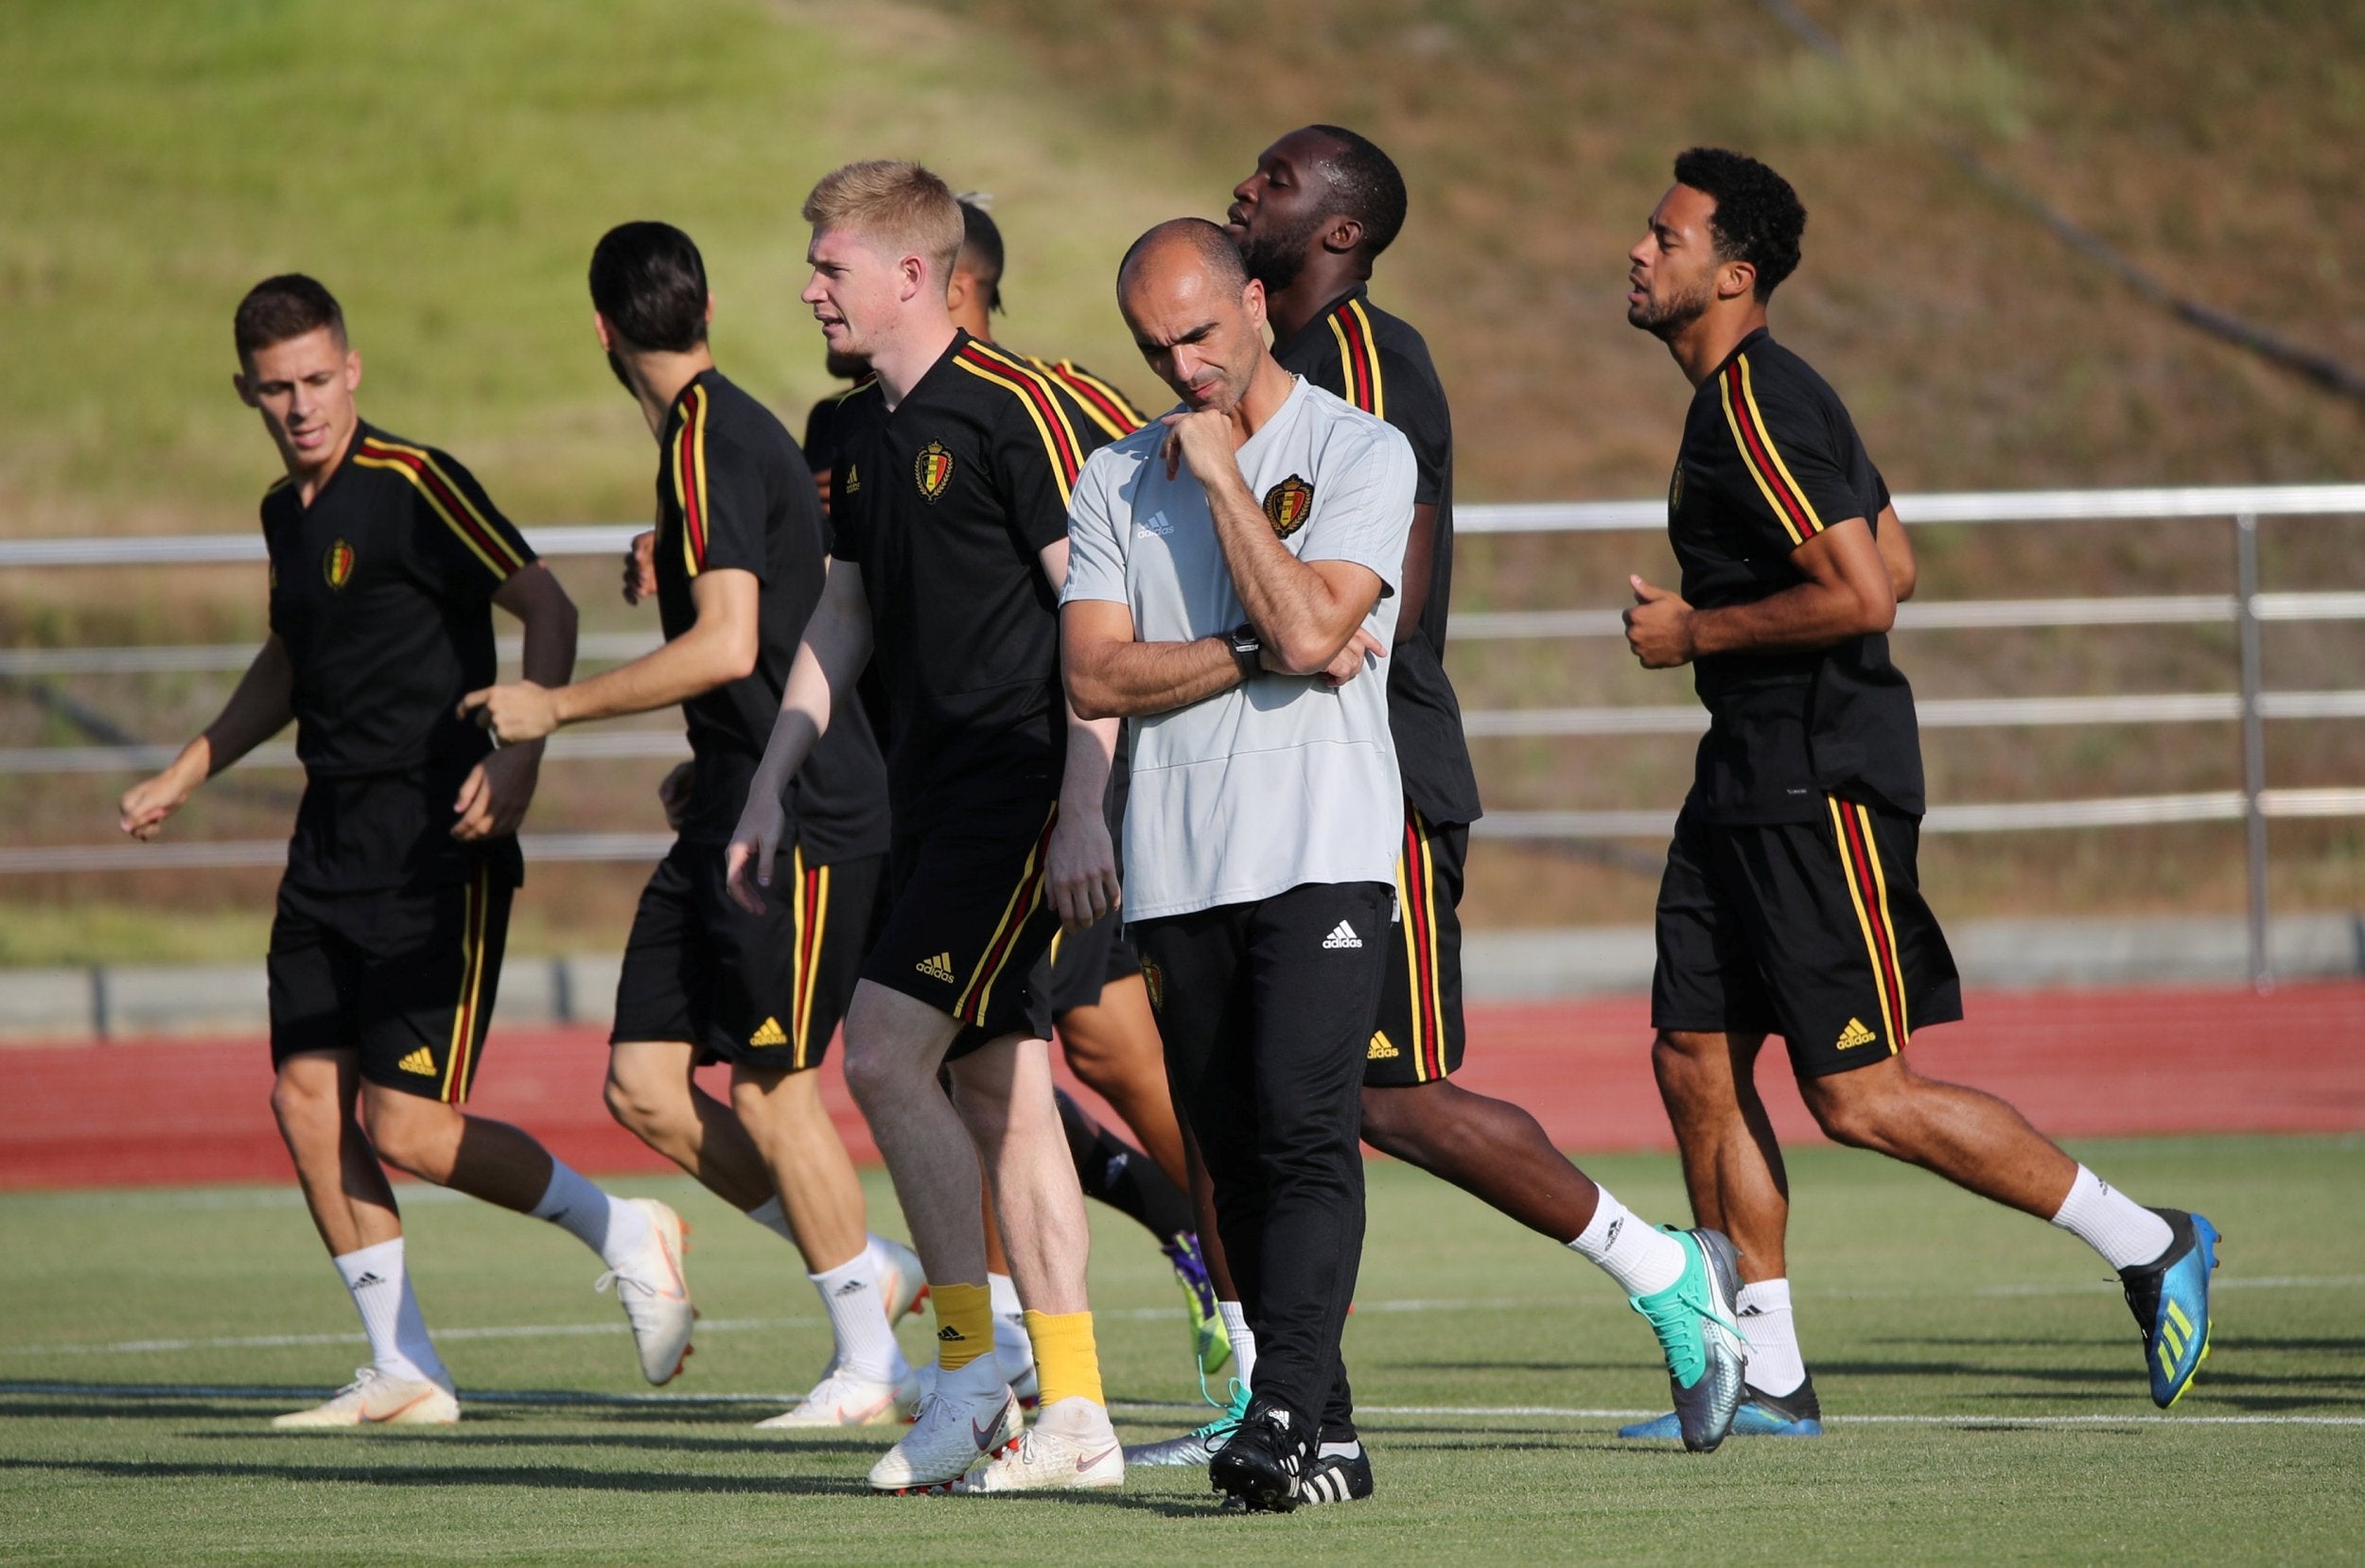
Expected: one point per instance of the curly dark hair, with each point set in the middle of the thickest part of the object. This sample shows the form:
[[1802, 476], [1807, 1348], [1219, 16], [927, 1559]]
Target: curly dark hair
[[1758, 218]]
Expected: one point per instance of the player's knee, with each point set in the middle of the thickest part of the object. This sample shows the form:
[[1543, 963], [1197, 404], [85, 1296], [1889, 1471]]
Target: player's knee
[[874, 1076], [301, 1106], [1682, 1064], [640, 1106], [1847, 1112]]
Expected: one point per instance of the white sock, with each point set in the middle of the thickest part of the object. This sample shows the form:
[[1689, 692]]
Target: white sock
[[865, 1346], [615, 1231], [774, 1218], [1003, 1292], [2124, 1232], [1643, 1259], [1243, 1341], [380, 1287], [1775, 1364]]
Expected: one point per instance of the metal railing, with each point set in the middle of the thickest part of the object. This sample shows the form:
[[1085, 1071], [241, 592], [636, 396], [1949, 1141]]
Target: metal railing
[[2246, 609]]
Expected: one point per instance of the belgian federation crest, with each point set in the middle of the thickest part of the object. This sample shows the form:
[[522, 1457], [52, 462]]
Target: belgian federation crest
[[1288, 505], [337, 566], [931, 471], [1154, 982]]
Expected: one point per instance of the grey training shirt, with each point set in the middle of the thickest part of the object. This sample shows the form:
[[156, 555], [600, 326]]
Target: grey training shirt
[[1281, 781]]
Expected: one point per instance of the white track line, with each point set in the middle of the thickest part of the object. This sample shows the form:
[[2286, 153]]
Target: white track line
[[566, 1398], [741, 1325]]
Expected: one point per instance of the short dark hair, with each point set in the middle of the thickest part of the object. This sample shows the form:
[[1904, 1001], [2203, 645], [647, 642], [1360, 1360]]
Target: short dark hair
[[981, 244], [1758, 218], [1210, 243], [650, 282], [1367, 187], [286, 306]]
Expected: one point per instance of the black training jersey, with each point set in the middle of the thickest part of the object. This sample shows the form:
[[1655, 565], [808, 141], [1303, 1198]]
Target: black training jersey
[[733, 493], [381, 591], [1770, 459], [1377, 362], [821, 442], [944, 503], [1098, 401]]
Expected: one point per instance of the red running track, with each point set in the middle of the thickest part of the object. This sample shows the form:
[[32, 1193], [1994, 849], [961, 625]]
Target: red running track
[[2079, 1063]]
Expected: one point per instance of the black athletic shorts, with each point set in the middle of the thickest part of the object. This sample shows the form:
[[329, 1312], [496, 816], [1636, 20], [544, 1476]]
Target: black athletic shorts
[[404, 976], [1081, 963], [967, 916], [766, 990], [1814, 931], [1419, 1037]]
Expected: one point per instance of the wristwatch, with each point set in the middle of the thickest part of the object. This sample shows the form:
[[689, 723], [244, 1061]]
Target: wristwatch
[[1247, 648]]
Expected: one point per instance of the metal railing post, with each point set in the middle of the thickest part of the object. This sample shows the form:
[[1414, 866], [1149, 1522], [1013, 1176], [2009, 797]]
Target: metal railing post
[[2253, 744]]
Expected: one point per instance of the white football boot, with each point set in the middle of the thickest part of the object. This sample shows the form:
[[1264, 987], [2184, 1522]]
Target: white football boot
[[656, 1293], [844, 1398], [1070, 1448], [374, 1399], [967, 1417], [903, 1284]]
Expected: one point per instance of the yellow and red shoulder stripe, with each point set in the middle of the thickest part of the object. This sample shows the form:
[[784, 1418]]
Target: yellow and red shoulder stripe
[[1042, 405], [1359, 359], [1105, 405], [1738, 392], [446, 499], [686, 467]]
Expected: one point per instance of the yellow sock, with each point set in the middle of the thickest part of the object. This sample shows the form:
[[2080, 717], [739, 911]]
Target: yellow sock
[[1067, 1359], [964, 1324]]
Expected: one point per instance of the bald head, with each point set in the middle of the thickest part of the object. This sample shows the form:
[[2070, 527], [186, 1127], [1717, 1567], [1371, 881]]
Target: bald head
[[1198, 319], [1185, 242]]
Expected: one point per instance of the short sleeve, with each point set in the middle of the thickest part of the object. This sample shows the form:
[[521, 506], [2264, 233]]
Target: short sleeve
[[471, 548], [1796, 477], [715, 488], [1095, 552], [1037, 458], [1417, 405], [1362, 502]]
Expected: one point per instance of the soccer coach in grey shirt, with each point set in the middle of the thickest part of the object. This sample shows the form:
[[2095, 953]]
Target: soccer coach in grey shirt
[[1231, 575]]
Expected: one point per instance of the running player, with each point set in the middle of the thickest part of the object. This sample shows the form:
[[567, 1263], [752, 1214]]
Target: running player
[[737, 559], [1230, 569], [1791, 903], [386, 558], [1094, 976], [949, 516], [1311, 221]]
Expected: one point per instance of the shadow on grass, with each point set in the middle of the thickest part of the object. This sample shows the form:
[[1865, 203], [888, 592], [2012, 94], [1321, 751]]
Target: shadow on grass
[[539, 1477], [639, 1442]]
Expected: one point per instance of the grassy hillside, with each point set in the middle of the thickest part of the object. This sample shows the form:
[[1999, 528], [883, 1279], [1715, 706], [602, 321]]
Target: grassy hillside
[[446, 168]]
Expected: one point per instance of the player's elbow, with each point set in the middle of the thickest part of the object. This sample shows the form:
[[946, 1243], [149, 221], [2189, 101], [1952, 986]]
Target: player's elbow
[[1872, 607], [1305, 652], [735, 658], [1092, 698]]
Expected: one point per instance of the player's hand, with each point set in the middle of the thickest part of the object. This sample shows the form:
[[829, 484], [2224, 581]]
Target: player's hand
[[755, 844], [147, 804], [494, 798], [1349, 661], [512, 714], [1083, 868], [1202, 441], [674, 794], [640, 566], [1658, 628], [823, 483]]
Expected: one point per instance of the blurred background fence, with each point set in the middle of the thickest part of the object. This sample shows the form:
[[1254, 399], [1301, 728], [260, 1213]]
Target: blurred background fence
[[2233, 720]]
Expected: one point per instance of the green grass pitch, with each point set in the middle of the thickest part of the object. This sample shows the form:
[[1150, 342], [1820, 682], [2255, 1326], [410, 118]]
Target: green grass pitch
[[1983, 1377]]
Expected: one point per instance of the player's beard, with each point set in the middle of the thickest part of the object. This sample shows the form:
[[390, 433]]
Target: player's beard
[[845, 367], [1275, 257], [1665, 318]]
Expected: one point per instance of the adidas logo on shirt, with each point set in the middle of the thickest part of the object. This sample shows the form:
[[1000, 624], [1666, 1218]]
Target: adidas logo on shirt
[[421, 1061], [1856, 1034], [769, 1032], [938, 967], [1343, 935]]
